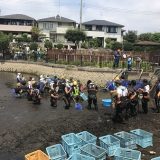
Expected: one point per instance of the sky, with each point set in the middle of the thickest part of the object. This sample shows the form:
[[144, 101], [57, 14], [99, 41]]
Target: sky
[[139, 15]]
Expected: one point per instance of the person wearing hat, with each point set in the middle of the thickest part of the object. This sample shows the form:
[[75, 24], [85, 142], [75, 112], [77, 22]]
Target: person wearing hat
[[19, 78], [67, 95], [75, 91], [92, 95], [54, 96]]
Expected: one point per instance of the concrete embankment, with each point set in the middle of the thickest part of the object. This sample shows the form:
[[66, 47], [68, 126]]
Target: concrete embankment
[[99, 75]]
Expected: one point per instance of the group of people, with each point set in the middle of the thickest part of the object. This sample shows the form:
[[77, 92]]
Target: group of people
[[126, 59], [69, 90], [128, 96]]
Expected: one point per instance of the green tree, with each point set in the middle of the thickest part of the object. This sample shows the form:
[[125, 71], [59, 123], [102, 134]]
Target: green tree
[[116, 45], [94, 43], [36, 32], [4, 43], [59, 46], [48, 44], [145, 37], [155, 37], [75, 36], [131, 36], [33, 46], [109, 43], [128, 46]]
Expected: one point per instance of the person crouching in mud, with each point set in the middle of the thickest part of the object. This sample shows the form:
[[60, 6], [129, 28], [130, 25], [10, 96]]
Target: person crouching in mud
[[120, 103], [35, 94], [92, 94], [18, 90], [67, 95], [54, 95]]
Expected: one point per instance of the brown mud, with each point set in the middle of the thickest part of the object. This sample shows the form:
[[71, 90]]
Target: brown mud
[[25, 127]]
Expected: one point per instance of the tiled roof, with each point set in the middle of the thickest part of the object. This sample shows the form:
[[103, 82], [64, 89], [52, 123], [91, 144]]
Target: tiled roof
[[56, 19], [17, 16], [102, 23]]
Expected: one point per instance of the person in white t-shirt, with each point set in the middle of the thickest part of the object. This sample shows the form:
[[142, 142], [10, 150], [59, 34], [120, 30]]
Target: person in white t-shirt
[[120, 104]]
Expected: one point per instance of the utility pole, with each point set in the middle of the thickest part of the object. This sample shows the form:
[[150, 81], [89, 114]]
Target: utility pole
[[81, 16]]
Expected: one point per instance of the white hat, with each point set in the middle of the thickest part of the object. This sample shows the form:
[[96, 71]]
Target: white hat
[[19, 73]]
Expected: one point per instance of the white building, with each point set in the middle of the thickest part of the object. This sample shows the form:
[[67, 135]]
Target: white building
[[103, 29], [54, 28], [16, 24]]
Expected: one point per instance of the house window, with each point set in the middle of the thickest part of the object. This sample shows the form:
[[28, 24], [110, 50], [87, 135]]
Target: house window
[[98, 28], [112, 29], [47, 25], [88, 28], [59, 24]]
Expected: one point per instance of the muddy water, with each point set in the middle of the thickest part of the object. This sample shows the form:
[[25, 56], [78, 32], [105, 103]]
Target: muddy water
[[25, 127], [17, 115]]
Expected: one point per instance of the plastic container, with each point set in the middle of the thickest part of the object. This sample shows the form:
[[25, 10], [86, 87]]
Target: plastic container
[[87, 137], [110, 143], [143, 138], [36, 155], [127, 140], [156, 158], [127, 154], [94, 151], [80, 157], [106, 102], [56, 152], [71, 143], [83, 96]]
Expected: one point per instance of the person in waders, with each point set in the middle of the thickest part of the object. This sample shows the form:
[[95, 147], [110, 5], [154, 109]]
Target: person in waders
[[157, 96], [92, 95], [120, 103], [145, 93], [67, 95], [75, 92]]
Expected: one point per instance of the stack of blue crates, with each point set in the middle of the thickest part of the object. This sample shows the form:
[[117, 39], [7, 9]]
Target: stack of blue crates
[[110, 143], [156, 158], [127, 154], [87, 137], [127, 140], [143, 138], [56, 152], [78, 156], [94, 151], [71, 143]]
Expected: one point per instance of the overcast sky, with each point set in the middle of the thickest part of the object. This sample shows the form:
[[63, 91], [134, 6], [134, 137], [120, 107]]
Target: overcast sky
[[139, 15]]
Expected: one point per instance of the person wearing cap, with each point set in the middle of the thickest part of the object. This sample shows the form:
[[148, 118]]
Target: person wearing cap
[[92, 95], [75, 91], [54, 96], [19, 78], [67, 95]]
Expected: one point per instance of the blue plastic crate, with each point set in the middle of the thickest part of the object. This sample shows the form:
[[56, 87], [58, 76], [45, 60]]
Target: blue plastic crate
[[56, 152], [127, 154], [156, 158], [127, 140], [87, 137], [143, 138], [106, 102], [83, 96], [78, 156], [110, 143], [94, 151], [71, 143]]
